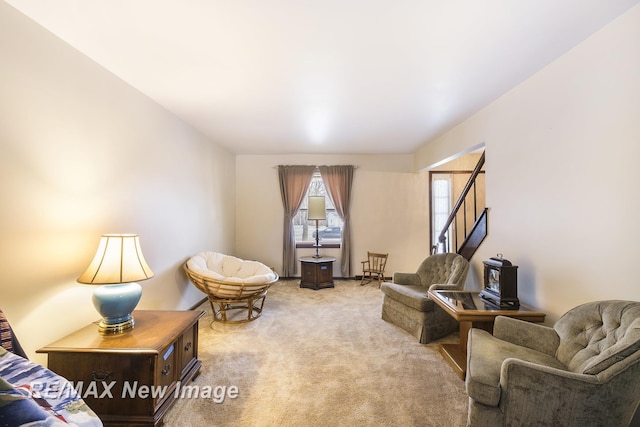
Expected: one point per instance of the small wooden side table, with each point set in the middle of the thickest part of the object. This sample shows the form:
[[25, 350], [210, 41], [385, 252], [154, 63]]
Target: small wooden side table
[[160, 352], [471, 311], [317, 273]]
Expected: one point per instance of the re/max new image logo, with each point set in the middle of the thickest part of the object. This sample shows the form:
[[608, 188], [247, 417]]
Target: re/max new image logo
[[132, 390]]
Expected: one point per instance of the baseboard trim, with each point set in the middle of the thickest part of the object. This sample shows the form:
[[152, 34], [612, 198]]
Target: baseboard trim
[[335, 278], [385, 279], [203, 300], [359, 277], [198, 304]]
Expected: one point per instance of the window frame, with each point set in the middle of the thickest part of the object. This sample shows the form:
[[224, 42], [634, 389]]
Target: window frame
[[433, 177], [317, 188]]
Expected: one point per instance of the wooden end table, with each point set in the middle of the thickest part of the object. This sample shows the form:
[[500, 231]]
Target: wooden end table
[[160, 352], [471, 311], [317, 273]]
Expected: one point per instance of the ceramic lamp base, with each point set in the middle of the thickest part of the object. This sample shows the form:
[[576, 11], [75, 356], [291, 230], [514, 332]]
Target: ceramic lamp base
[[115, 304]]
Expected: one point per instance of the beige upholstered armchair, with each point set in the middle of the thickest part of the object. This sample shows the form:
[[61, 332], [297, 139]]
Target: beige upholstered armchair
[[584, 371], [406, 303]]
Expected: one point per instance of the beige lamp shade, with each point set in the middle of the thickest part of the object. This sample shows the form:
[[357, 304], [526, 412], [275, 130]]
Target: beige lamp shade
[[118, 259], [317, 208]]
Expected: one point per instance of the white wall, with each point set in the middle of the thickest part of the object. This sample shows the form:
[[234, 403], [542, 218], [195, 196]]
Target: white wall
[[84, 154], [389, 209], [562, 154]]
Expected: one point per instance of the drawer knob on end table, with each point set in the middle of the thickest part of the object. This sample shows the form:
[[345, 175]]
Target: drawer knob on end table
[[167, 369], [100, 375]]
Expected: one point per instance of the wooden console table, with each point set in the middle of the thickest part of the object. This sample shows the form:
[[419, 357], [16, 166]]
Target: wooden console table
[[317, 273], [160, 351], [471, 311]]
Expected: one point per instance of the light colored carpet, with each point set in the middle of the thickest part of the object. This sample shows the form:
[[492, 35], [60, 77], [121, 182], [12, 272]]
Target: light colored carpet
[[321, 358]]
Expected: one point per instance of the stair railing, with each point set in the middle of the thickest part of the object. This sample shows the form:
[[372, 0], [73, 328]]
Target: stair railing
[[442, 242]]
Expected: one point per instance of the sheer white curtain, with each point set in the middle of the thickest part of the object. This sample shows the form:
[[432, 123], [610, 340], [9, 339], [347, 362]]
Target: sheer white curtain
[[441, 194]]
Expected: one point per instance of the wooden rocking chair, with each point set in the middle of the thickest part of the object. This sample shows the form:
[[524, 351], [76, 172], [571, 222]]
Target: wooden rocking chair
[[373, 267]]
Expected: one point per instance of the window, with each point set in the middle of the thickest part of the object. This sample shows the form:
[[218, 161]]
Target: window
[[441, 199], [329, 230]]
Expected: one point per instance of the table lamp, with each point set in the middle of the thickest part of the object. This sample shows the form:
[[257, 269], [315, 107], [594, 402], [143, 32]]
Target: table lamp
[[116, 266], [317, 211]]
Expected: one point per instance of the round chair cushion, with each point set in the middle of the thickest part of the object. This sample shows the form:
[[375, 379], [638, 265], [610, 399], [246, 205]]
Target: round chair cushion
[[227, 268]]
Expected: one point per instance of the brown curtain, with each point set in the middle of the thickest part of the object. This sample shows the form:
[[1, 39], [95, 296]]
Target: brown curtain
[[294, 182], [337, 180]]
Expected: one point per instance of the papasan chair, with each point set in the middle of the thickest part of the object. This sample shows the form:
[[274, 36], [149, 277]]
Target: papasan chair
[[232, 285]]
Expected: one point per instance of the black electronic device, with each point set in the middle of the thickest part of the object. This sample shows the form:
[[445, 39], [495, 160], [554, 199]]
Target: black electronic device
[[500, 283]]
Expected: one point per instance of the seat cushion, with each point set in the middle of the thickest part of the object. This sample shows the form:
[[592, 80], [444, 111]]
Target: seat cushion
[[414, 296], [484, 362], [216, 266]]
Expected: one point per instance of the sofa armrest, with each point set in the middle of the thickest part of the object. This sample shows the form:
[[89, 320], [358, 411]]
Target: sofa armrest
[[445, 287], [526, 334], [406, 279], [514, 371]]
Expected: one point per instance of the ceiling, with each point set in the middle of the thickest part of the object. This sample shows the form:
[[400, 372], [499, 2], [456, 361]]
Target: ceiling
[[323, 76]]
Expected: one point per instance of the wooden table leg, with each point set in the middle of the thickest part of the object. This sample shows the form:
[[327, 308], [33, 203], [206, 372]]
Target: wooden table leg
[[456, 354], [465, 327], [453, 354]]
